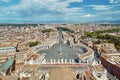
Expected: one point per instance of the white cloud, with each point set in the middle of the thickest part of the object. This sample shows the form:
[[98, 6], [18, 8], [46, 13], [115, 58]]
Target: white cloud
[[11, 13], [111, 1], [114, 1], [5, 0], [100, 7], [43, 10], [51, 5], [88, 15], [108, 15], [74, 1]]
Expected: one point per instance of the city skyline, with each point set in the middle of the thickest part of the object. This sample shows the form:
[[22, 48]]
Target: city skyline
[[58, 11], [52, 52]]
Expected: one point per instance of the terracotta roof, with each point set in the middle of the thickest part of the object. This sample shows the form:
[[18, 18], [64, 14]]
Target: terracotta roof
[[90, 67], [35, 56], [88, 74], [25, 78], [99, 68], [18, 65]]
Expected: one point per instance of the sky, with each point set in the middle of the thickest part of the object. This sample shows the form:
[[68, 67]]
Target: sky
[[58, 11]]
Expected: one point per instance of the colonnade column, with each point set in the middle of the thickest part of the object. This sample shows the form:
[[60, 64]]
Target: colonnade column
[[65, 60]]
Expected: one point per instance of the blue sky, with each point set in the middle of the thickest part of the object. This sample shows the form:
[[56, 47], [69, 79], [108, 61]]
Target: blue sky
[[58, 11]]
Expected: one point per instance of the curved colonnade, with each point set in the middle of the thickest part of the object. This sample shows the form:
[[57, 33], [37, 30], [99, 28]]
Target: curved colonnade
[[87, 57]]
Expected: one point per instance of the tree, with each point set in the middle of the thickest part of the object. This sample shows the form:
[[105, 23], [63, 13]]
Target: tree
[[47, 31], [31, 44]]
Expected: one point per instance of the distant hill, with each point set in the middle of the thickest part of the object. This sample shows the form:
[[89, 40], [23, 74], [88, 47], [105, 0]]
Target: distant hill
[[109, 21], [59, 22]]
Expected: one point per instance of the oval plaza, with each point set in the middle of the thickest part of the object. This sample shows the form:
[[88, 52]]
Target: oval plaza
[[64, 53]]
